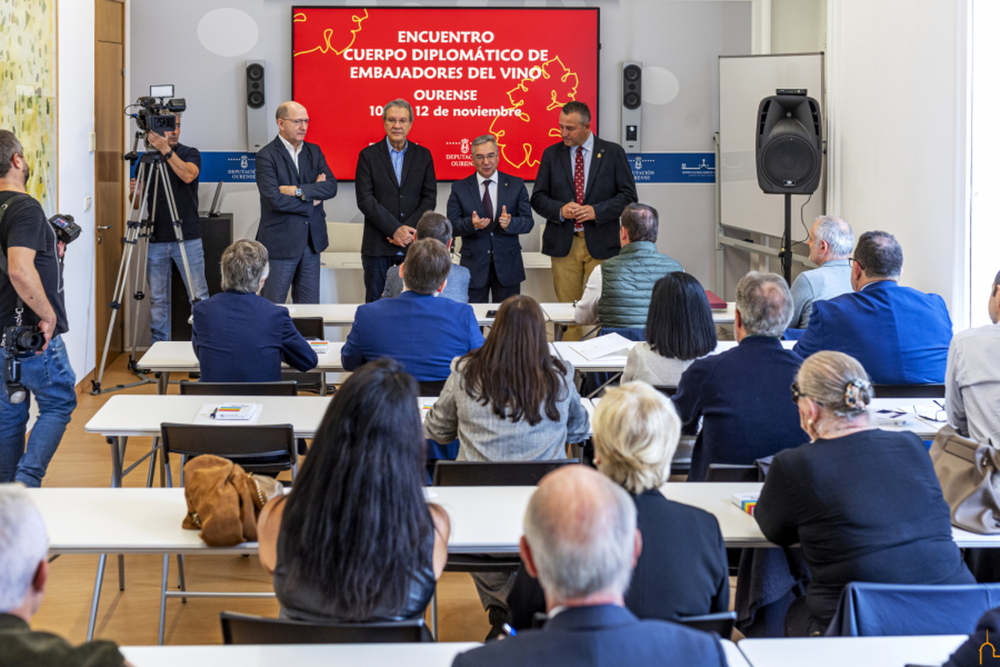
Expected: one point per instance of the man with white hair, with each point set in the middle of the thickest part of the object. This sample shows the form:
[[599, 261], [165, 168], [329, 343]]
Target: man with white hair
[[581, 542], [830, 243], [741, 395], [24, 570]]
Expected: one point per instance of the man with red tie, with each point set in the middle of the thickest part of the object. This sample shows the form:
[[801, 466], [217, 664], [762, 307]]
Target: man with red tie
[[583, 185], [488, 210]]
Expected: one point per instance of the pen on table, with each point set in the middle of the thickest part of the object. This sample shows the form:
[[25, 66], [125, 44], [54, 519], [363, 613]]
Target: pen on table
[[213, 413], [511, 632]]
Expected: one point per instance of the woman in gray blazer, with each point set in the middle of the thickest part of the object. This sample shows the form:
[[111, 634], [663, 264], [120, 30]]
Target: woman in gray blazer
[[510, 400]]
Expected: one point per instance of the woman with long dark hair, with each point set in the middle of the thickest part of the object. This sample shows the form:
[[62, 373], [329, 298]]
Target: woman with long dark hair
[[679, 329], [510, 400], [355, 540]]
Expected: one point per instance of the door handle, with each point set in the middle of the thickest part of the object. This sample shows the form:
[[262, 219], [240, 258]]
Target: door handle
[[105, 226]]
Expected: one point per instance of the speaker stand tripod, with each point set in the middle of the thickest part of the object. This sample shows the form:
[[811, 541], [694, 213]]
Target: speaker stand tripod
[[151, 174], [786, 242]]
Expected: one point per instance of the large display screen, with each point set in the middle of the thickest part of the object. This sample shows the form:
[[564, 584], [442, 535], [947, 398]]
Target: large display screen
[[466, 72]]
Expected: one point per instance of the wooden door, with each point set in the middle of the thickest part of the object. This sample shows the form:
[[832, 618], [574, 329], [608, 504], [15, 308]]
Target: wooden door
[[109, 98]]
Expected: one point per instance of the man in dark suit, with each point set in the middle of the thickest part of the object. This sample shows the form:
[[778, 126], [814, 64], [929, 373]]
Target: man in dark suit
[[422, 332], [581, 542], [488, 210], [741, 395], [899, 334], [238, 335], [583, 185], [294, 180], [395, 185]]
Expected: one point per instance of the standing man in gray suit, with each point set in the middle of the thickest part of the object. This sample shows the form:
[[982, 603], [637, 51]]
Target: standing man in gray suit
[[830, 243]]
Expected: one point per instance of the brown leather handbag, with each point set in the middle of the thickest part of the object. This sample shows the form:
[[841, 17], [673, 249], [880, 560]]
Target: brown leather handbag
[[969, 473], [223, 501]]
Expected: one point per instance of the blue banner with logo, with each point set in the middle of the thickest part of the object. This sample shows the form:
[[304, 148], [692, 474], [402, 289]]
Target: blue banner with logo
[[228, 167], [673, 167]]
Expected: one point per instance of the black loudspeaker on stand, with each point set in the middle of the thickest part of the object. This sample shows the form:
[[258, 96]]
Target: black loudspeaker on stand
[[789, 153]]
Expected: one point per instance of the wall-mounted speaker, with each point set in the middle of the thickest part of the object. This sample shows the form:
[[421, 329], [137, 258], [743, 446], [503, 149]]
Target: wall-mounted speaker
[[256, 106], [631, 136], [789, 143]]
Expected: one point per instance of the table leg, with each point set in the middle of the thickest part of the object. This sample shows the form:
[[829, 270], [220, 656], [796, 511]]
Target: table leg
[[116, 462], [558, 331], [97, 596], [121, 572], [434, 613], [163, 596], [162, 382]]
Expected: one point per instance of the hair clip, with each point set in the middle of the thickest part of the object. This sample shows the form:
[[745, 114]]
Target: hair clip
[[852, 392]]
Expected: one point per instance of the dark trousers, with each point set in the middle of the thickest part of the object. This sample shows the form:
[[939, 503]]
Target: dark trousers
[[482, 294], [375, 268], [301, 274]]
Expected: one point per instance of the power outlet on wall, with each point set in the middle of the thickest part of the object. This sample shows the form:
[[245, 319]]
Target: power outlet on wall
[[86, 203], [93, 141]]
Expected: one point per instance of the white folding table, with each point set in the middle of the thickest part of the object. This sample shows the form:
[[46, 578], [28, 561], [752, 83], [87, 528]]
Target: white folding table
[[854, 651], [300, 655], [563, 315], [342, 314]]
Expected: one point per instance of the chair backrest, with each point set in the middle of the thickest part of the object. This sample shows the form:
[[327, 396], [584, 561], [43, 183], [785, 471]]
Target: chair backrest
[[311, 328], [241, 444], [666, 391], [730, 472], [283, 388], [881, 610], [721, 623], [909, 390], [247, 629], [494, 473], [431, 387]]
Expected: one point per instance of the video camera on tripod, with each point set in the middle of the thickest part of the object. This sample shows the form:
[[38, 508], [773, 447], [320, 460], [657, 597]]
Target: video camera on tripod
[[150, 116]]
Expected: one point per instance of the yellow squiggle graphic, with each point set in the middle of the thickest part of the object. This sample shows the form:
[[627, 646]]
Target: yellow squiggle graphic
[[327, 47], [554, 103]]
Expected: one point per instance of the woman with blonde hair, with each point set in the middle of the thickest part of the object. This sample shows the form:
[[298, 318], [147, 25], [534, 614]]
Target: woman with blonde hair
[[682, 568]]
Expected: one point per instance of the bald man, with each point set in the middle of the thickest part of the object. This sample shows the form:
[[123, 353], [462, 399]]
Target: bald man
[[293, 180], [581, 542]]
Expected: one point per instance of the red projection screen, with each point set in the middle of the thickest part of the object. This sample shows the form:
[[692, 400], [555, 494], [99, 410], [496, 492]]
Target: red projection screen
[[466, 72]]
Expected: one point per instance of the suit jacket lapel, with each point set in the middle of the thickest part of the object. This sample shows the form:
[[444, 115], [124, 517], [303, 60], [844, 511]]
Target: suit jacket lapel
[[407, 161], [383, 149], [564, 161], [595, 164], [280, 147], [472, 183]]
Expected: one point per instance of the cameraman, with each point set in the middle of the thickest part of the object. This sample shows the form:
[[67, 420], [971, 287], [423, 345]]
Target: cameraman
[[185, 165], [33, 275]]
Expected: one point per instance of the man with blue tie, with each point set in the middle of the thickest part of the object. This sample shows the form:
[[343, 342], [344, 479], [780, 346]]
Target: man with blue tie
[[488, 210], [293, 180], [395, 185]]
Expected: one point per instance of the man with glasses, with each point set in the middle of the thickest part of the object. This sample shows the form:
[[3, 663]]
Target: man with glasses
[[899, 334], [830, 242], [395, 185], [293, 180], [488, 210]]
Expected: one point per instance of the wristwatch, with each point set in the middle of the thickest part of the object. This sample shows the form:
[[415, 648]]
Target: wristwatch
[[298, 193], [169, 154]]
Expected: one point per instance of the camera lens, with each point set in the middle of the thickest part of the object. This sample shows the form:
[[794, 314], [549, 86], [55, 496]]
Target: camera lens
[[30, 340]]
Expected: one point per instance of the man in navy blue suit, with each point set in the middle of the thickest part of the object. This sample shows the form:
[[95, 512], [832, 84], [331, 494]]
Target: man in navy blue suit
[[488, 210], [581, 542], [417, 329], [238, 335], [293, 180], [899, 334]]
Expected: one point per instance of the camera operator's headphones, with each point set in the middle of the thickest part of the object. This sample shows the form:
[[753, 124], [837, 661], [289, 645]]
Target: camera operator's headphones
[[16, 392]]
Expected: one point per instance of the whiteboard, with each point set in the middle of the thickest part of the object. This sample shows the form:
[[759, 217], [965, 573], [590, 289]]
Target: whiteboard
[[743, 82]]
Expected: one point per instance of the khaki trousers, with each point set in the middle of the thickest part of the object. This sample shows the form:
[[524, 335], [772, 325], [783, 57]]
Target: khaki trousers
[[570, 275]]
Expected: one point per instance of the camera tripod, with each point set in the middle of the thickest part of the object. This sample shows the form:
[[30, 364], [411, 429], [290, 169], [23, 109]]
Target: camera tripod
[[151, 175]]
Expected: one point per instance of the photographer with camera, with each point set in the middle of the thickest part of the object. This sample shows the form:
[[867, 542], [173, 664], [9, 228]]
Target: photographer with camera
[[33, 316], [185, 165]]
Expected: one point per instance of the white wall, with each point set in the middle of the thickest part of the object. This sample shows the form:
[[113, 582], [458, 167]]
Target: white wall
[[75, 164], [898, 107]]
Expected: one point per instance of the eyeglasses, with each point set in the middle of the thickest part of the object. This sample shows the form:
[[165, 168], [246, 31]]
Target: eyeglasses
[[298, 121], [480, 158], [854, 261], [797, 394]]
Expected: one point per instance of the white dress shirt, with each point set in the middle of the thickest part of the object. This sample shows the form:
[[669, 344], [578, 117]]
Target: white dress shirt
[[292, 151], [586, 308], [972, 384], [493, 192]]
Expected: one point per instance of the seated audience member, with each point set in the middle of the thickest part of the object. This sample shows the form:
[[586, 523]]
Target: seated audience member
[[741, 395], [972, 379], [433, 226], [619, 290], [24, 547], [683, 569], [981, 646], [679, 329], [900, 335], [416, 329], [355, 540], [830, 242], [855, 520], [238, 335], [581, 542], [510, 400]]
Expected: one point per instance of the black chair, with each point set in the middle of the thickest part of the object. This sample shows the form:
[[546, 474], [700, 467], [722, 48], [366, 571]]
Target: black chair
[[245, 445], [283, 388], [431, 387], [909, 390], [494, 473], [248, 629], [728, 472], [311, 328], [721, 623], [666, 391]]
